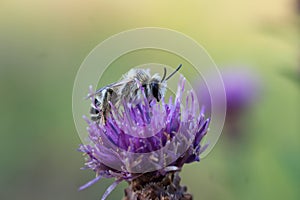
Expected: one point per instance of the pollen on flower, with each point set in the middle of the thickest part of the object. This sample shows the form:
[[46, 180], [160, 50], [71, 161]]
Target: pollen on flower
[[142, 143]]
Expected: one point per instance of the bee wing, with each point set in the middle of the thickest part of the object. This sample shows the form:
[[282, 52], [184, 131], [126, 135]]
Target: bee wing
[[113, 86]]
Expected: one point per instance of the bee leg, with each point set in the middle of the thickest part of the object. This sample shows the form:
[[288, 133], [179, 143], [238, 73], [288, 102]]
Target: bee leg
[[102, 119]]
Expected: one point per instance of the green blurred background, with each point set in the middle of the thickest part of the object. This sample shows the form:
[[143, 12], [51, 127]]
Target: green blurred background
[[43, 43]]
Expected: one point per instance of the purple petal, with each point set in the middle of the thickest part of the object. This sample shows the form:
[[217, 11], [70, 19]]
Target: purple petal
[[88, 184], [111, 188]]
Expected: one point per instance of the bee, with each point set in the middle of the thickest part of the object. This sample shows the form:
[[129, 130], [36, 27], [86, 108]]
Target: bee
[[128, 89]]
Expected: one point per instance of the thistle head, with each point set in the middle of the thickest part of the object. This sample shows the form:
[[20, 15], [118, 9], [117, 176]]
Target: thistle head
[[146, 138]]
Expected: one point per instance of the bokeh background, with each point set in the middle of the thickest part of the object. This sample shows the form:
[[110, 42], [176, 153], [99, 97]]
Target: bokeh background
[[43, 43]]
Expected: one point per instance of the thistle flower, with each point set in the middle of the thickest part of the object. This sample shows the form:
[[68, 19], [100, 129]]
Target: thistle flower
[[146, 146]]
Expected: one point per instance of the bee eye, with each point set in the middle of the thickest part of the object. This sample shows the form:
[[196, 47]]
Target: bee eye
[[155, 92]]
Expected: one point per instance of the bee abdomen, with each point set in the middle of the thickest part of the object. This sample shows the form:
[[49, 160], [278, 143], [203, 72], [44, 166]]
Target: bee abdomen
[[101, 107], [95, 114], [95, 109]]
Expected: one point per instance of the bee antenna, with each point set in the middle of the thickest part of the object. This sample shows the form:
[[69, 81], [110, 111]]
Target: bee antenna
[[164, 76], [176, 70]]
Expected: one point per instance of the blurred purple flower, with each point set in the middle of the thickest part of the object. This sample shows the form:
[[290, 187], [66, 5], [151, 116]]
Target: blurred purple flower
[[242, 89], [143, 138]]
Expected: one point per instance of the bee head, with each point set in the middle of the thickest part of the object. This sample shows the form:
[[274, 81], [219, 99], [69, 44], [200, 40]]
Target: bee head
[[156, 87], [155, 90]]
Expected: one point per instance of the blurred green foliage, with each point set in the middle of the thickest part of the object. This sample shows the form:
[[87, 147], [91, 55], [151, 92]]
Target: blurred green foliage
[[42, 44]]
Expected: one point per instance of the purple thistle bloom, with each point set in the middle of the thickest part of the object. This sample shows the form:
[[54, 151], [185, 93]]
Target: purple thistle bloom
[[140, 139]]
